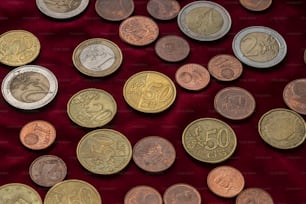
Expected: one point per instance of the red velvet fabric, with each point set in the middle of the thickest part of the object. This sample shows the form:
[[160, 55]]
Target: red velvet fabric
[[281, 173]]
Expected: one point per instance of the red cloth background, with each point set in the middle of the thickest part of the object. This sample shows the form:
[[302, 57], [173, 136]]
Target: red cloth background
[[281, 173]]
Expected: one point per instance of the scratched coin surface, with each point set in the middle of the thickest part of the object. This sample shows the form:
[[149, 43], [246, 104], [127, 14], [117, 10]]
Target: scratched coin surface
[[97, 57], [138, 30], [37, 135], [114, 10], [149, 92], [209, 140], [18, 47], [256, 5], [73, 191], [259, 47], [29, 87], [48, 170], [143, 195], [204, 20], [254, 195], [225, 181], [104, 151], [163, 9], [181, 193], [91, 108], [282, 128], [294, 95]]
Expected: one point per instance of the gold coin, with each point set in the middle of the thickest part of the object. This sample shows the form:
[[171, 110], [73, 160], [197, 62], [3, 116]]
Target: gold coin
[[91, 108], [18, 47], [73, 191], [149, 92], [209, 140], [104, 151], [282, 128]]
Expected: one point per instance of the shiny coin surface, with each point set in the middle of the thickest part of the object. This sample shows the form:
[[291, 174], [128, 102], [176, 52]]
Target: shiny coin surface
[[254, 195], [181, 194], [29, 87], [18, 47], [73, 191], [204, 20], [282, 128], [97, 57], [114, 10], [209, 140], [225, 181], [163, 9], [91, 108], [259, 47], [256, 5], [143, 195], [48, 170], [104, 151], [294, 95]]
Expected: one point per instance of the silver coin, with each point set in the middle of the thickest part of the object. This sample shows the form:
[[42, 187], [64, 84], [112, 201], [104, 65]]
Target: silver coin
[[259, 47], [204, 20], [29, 87]]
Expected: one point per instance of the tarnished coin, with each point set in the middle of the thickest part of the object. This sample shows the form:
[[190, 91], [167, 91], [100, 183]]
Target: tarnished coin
[[225, 181], [29, 87], [18, 47], [254, 195], [294, 95], [97, 57], [114, 10], [104, 151], [204, 20], [181, 194], [48, 170], [163, 9], [138, 30], [143, 195], [256, 5], [209, 140], [259, 47], [91, 108], [282, 128], [73, 191], [192, 76]]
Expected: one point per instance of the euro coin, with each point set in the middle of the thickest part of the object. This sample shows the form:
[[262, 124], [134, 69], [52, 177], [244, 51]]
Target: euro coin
[[254, 195], [143, 194], [182, 193], [294, 95]]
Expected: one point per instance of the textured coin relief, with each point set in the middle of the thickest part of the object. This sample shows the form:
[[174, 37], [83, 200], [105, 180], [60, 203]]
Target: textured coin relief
[[181, 193], [114, 10], [254, 195], [294, 95], [143, 195], [163, 9]]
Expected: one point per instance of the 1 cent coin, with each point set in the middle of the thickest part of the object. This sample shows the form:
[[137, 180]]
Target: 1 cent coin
[[181, 193], [256, 5], [254, 195], [163, 9], [143, 195], [294, 95], [114, 10]]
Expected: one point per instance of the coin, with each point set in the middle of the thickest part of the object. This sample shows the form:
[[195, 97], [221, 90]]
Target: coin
[[73, 191], [259, 47], [143, 195], [60, 9], [91, 108], [97, 57], [48, 170], [225, 67], [149, 92], [181, 193], [114, 10], [294, 95], [104, 151], [163, 9], [256, 5], [153, 154], [254, 195], [282, 128], [204, 20], [18, 47], [138, 30], [209, 140], [225, 181], [29, 87]]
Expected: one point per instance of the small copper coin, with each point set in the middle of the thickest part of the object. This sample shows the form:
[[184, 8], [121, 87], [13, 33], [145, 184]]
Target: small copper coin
[[163, 9], [114, 10], [143, 195], [192, 77], [225, 67], [181, 194], [225, 181], [254, 195], [294, 95], [256, 5], [37, 135]]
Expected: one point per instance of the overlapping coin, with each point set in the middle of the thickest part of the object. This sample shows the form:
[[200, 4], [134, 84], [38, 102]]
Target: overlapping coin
[[254, 195], [294, 95], [181, 193], [114, 10], [143, 194], [163, 9], [256, 5]]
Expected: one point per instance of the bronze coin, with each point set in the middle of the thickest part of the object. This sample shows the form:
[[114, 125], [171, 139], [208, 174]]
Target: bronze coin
[[256, 5], [181, 194], [254, 195], [225, 181], [138, 30], [163, 9], [234, 103], [294, 95], [143, 195], [37, 135], [225, 67], [192, 77], [114, 10]]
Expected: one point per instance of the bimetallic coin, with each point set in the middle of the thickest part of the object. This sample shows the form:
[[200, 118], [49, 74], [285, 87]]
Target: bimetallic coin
[[163, 9], [209, 140], [256, 5], [91, 108], [181, 194], [29, 87], [149, 92], [114, 10], [97, 57], [259, 47], [104, 151], [294, 95], [254, 195], [143, 195], [282, 128]]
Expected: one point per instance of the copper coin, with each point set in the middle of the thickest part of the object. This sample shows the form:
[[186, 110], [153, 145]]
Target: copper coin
[[114, 10], [163, 9], [294, 95], [48, 170], [37, 135], [143, 195], [153, 154], [181, 194], [234, 103], [138, 30], [225, 181], [192, 77], [254, 195], [256, 5], [225, 67]]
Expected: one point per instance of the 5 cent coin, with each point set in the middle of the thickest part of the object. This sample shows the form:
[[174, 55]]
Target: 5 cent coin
[[181, 193], [254, 195], [114, 10], [163, 9], [143, 195], [256, 5], [294, 95]]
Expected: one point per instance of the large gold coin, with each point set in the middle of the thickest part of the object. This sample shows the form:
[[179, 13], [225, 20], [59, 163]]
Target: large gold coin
[[18, 47], [209, 140], [149, 92], [104, 151]]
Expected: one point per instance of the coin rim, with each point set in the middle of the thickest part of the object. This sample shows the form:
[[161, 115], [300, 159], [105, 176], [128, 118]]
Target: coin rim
[[185, 185], [114, 19], [256, 10], [25, 186], [143, 186], [286, 91], [252, 188], [149, 10]]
